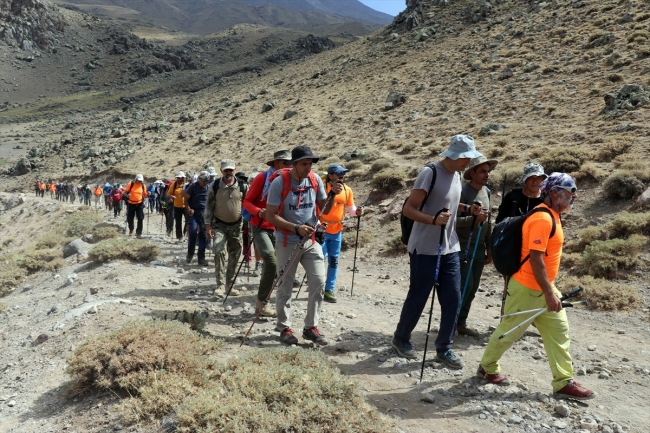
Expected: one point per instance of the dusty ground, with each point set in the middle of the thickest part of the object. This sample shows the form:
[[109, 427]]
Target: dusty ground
[[359, 328]]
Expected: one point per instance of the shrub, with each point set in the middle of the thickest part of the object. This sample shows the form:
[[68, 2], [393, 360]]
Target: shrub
[[388, 180], [590, 171], [10, 274], [570, 260], [353, 164], [49, 260], [381, 164], [623, 184], [605, 258], [80, 224], [122, 248], [627, 224], [562, 160], [50, 239], [615, 78], [8, 240], [512, 171], [102, 233], [612, 149], [395, 246], [638, 36], [350, 237], [589, 234], [604, 294]]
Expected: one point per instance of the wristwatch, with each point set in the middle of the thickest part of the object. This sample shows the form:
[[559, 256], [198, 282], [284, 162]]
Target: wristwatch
[[296, 229]]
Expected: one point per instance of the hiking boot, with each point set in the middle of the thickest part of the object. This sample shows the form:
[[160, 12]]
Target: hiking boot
[[287, 336], [313, 334], [574, 391], [258, 269], [450, 359], [188, 258], [465, 330], [233, 291], [296, 283], [329, 297], [131, 233], [403, 348], [138, 236], [266, 310], [202, 260], [497, 379]]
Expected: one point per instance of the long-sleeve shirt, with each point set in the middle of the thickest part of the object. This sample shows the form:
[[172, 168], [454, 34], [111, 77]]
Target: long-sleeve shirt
[[515, 203], [253, 201], [469, 195]]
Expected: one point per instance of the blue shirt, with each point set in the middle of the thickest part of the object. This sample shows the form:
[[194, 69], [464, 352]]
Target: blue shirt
[[198, 197]]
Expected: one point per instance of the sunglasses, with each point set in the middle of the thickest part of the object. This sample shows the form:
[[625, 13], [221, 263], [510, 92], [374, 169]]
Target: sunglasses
[[570, 189], [285, 162], [340, 174]]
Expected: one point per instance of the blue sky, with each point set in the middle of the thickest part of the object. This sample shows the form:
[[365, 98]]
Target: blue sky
[[391, 7]]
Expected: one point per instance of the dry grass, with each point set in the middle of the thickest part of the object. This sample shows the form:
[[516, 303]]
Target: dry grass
[[395, 246], [50, 239], [8, 241], [102, 233], [381, 164], [512, 171], [590, 172], [349, 239], [605, 258], [589, 234], [80, 224], [612, 148], [627, 224], [121, 248], [49, 260], [388, 180], [623, 184], [604, 294], [10, 274], [562, 160]]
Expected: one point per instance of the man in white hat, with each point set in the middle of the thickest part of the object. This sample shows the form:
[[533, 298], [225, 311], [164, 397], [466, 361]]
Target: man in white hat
[[476, 252], [175, 196], [135, 193], [429, 197]]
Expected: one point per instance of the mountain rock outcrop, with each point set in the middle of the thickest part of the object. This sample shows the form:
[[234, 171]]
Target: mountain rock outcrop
[[30, 24]]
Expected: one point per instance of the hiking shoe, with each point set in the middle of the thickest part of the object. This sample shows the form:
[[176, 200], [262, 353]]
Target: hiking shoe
[[296, 283], [203, 262], [287, 336], [465, 330], [131, 233], [329, 297], [188, 258], [258, 269], [403, 348], [264, 310], [138, 236], [233, 291], [313, 334], [450, 359], [497, 379], [574, 391]]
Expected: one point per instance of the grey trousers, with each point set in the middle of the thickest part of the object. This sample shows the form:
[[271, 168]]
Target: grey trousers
[[311, 259]]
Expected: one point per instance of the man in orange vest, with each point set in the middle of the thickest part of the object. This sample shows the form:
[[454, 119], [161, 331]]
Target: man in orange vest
[[98, 193], [135, 193]]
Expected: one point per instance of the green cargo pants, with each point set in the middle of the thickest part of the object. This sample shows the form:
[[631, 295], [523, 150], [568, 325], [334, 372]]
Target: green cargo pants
[[227, 238]]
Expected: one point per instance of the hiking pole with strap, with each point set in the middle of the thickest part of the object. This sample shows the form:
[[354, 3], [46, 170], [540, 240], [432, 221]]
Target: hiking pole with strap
[[435, 286], [354, 263], [292, 258], [541, 311], [232, 283], [471, 263], [505, 277], [301, 283], [537, 310]]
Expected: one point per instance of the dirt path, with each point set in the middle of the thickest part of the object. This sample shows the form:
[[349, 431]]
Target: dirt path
[[359, 328]]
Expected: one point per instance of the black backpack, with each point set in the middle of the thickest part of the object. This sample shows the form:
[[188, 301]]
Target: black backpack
[[406, 223], [507, 239]]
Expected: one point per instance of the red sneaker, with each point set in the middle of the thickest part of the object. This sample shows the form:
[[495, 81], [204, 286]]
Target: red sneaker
[[574, 391], [314, 335], [497, 379], [287, 336]]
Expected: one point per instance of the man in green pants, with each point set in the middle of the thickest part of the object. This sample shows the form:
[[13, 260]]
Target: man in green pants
[[478, 175]]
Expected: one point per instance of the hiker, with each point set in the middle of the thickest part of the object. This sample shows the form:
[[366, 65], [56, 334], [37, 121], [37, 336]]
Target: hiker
[[73, 193], [423, 248], [223, 223], [135, 193], [52, 189], [520, 200], [174, 195], [294, 199], [167, 208], [213, 175], [87, 194], [533, 287], [151, 201], [262, 231], [116, 197], [195, 198], [478, 252], [334, 231], [98, 193], [41, 189], [106, 192]]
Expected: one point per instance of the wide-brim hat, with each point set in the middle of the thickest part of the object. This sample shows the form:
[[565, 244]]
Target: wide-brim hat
[[461, 146], [478, 161], [284, 155], [533, 169], [303, 152]]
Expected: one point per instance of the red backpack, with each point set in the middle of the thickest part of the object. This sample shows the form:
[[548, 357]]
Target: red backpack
[[117, 195]]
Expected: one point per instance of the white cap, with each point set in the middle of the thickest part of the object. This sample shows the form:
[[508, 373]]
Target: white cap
[[139, 177], [180, 174]]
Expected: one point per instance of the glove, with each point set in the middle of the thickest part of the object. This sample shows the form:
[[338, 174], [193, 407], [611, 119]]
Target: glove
[[320, 235]]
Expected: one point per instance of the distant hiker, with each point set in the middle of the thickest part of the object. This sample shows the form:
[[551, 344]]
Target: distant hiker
[[135, 194], [87, 194], [98, 193], [72, 193], [174, 196], [520, 200], [423, 248], [107, 189], [52, 189], [223, 223], [533, 287], [213, 175], [334, 231], [294, 199], [151, 201], [37, 188], [167, 208], [478, 251], [262, 231], [116, 197], [196, 196]]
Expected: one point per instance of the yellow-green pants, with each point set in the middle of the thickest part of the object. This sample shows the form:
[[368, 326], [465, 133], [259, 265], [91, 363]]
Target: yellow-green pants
[[553, 327]]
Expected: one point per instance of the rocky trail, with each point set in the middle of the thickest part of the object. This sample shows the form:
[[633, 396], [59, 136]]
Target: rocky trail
[[50, 315]]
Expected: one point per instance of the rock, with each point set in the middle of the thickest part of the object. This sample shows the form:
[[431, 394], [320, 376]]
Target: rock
[[289, 114], [559, 424], [395, 99], [11, 403], [644, 199], [602, 40], [78, 246], [603, 375], [88, 238], [40, 340], [563, 410], [427, 398], [505, 74], [621, 331], [71, 279], [424, 34], [491, 128], [54, 308], [515, 420], [628, 97], [581, 371], [592, 348], [538, 355], [589, 424], [351, 316], [268, 106], [94, 290], [169, 422], [92, 310]]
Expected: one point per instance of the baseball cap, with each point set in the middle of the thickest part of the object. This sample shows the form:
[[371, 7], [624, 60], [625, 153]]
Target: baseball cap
[[227, 164]]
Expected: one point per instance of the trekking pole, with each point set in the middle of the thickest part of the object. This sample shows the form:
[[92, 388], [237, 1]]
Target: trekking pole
[[471, 233], [435, 286], [301, 283], [279, 279], [536, 310], [148, 215], [354, 262], [471, 263], [505, 277], [541, 311], [232, 283]]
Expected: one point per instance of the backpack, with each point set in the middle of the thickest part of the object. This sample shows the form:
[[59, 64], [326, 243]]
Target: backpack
[[128, 188], [507, 239], [242, 187], [405, 222]]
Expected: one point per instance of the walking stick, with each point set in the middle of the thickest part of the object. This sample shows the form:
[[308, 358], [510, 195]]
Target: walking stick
[[541, 311], [232, 283], [301, 283], [435, 286], [505, 277], [354, 263], [471, 263], [280, 277], [471, 232], [536, 310]]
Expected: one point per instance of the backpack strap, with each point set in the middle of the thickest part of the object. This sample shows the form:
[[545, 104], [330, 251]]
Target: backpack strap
[[535, 210], [433, 182]]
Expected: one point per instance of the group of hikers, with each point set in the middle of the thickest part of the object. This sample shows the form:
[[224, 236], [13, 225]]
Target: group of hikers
[[291, 216], [69, 192]]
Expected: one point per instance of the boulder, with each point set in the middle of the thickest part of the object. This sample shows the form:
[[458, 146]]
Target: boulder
[[628, 97], [395, 99], [644, 199], [268, 106], [289, 114], [23, 166], [78, 246]]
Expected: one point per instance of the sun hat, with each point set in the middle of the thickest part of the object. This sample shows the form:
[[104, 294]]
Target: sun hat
[[227, 164], [204, 176], [557, 181], [283, 155], [461, 146], [139, 177], [212, 171], [303, 152], [180, 174], [478, 161], [336, 169], [533, 169]]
